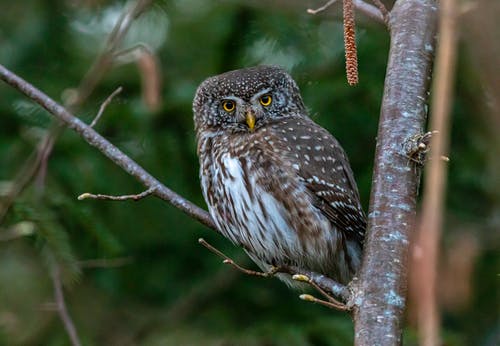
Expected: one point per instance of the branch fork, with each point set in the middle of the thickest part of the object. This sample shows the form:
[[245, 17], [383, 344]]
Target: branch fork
[[378, 12]]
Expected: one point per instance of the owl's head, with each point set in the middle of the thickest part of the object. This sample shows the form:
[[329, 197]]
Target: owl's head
[[246, 100]]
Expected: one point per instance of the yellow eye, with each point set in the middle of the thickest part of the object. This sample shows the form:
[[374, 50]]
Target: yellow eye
[[266, 100], [228, 105]]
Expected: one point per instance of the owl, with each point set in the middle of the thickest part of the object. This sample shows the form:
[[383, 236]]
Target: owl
[[275, 182]]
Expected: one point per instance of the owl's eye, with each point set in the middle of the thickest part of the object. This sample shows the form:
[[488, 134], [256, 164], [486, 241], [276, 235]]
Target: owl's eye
[[266, 100], [228, 105]]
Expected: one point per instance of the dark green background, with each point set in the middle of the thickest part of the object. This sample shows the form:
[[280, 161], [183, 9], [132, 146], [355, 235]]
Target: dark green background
[[172, 291]]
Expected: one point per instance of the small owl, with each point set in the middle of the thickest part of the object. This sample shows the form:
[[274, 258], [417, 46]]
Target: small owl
[[275, 182]]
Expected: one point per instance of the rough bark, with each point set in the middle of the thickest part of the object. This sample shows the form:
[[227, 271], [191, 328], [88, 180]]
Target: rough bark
[[380, 293]]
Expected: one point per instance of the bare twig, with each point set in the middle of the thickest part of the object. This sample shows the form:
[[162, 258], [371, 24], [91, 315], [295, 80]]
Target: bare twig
[[435, 182], [329, 304], [304, 278], [107, 56], [228, 260], [36, 164], [61, 306], [322, 8], [28, 171], [323, 284], [104, 105], [109, 150], [369, 11], [136, 197], [360, 5], [383, 10]]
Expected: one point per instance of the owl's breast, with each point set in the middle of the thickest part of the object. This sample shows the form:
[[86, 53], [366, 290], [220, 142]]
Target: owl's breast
[[265, 208]]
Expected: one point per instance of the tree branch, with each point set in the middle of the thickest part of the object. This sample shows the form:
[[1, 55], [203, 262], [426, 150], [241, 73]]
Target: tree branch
[[435, 183], [61, 306], [36, 164], [104, 105], [323, 284], [135, 197], [381, 290], [361, 6], [108, 149]]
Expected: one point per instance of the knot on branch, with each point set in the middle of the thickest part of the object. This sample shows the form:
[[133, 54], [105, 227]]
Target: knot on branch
[[416, 147]]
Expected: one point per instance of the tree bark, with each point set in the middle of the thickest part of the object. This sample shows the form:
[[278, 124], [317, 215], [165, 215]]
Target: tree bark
[[380, 293]]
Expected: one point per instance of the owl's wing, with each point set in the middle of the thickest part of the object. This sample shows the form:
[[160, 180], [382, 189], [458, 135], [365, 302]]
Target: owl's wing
[[339, 205], [324, 168]]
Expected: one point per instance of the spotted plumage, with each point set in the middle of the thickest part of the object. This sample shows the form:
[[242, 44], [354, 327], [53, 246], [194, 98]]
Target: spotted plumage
[[275, 182]]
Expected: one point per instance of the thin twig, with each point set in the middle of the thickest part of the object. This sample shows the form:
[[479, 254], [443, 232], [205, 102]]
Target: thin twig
[[104, 105], [360, 5], [36, 164], [323, 284], [106, 58], [369, 11], [322, 8], [109, 150], [329, 304], [136, 197], [61, 306], [29, 170], [228, 260], [383, 10], [304, 278], [435, 184]]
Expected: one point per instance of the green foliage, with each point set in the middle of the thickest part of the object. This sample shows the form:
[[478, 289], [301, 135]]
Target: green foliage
[[171, 291]]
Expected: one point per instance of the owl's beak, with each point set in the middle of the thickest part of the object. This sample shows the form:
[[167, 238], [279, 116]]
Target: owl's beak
[[250, 118]]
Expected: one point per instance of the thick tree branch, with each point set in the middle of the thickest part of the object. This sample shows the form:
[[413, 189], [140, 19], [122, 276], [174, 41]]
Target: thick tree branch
[[380, 294], [108, 149]]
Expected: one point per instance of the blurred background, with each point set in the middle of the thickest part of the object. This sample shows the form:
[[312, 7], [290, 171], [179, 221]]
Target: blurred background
[[133, 272]]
